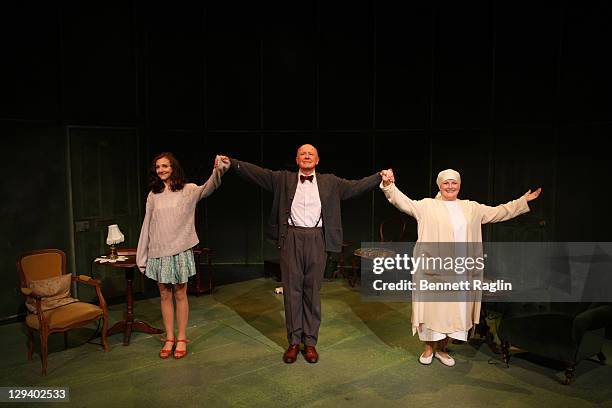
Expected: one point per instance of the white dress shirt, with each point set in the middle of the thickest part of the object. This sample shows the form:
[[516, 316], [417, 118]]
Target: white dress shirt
[[306, 204]]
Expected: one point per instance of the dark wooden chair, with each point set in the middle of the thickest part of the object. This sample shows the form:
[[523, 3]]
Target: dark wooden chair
[[392, 230], [565, 332]]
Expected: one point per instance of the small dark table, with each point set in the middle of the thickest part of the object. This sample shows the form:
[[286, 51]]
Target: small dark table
[[197, 288], [369, 254], [129, 325]]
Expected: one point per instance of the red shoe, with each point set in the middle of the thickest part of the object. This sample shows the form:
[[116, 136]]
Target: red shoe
[[310, 354], [178, 354], [165, 353], [291, 354]]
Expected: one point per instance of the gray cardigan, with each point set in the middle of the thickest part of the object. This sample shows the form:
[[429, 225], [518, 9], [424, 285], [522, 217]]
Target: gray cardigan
[[332, 190]]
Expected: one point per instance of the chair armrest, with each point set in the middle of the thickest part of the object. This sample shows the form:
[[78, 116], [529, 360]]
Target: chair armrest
[[87, 280], [523, 309], [591, 319], [27, 292]]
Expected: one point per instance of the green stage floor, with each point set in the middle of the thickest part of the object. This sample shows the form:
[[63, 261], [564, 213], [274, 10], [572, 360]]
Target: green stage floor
[[368, 358]]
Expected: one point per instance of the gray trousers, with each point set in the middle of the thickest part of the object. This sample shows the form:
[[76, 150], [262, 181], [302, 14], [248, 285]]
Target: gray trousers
[[302, 263]]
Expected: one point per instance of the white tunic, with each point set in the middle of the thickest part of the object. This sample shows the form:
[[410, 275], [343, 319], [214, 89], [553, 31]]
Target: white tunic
[[460, 232], [434, 225]]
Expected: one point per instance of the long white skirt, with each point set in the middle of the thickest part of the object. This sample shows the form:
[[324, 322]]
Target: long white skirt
[[426, 334]]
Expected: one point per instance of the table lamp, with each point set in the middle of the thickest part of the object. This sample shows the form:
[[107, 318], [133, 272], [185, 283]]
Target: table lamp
[[114, 237]]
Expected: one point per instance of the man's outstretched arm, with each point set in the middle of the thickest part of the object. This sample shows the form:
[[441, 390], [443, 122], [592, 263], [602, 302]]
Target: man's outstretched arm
[[264, 178], [352, 188]]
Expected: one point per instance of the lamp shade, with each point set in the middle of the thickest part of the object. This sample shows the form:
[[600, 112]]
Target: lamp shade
[[115, 236]]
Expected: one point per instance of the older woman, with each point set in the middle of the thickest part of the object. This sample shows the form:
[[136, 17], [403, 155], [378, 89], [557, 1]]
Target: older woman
[[447, 219]]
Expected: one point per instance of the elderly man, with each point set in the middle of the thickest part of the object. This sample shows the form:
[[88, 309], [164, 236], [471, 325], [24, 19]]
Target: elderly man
[[305, 222]]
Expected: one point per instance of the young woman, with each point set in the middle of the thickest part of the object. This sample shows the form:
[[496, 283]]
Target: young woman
[[168, 233]]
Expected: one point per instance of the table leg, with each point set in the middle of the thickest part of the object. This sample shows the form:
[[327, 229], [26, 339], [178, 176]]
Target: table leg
[[198, 276], [210, 285], [197, 284], [353, 272], [118, 327], [128, 325]]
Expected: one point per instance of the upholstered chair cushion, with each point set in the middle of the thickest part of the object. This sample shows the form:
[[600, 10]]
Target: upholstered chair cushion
[[67, 315], [55, 292]]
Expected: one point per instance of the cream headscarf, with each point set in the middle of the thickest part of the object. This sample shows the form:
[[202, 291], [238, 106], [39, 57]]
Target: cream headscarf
[[448, 174]]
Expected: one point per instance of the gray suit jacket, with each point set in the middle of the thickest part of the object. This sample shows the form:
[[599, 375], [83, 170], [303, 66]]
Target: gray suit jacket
[[283, 184]]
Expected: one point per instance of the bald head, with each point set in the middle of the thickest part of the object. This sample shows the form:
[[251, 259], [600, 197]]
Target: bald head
[[307, 146], [307, 158]]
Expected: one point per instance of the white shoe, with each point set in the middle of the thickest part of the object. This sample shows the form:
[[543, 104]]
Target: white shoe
[[426, 360], [447, 361]]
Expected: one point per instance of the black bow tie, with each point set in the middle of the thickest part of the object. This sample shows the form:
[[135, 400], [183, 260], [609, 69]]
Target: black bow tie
[[309, 178]]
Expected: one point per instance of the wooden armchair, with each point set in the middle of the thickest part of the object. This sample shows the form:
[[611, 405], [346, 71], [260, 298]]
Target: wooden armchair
[[50, 309]]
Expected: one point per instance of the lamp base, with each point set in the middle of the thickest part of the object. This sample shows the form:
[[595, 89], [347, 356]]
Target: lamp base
[[113, 252]]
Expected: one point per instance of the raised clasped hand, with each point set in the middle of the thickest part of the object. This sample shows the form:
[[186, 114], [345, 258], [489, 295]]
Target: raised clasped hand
[[387, 177], [220, 159]]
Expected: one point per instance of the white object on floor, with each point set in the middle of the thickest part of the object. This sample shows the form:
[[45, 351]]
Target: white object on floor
[[279, 290]]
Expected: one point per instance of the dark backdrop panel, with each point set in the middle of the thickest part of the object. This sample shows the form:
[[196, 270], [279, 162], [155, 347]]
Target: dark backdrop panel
[[346, 65], [98, 63], [233, 62], [350, 156], [279, 150], [463, 44], [525, 158], [174, 52], [235, 211], [526, 58], [409, 155], [469, 153], [582, 199], [586, 84], [35, 208], [104, 190], [403, 65], [36, 78], [189, 148], [576, 183], [288, 65]]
